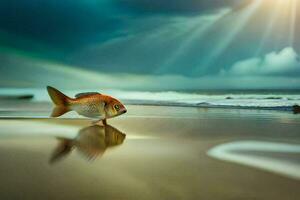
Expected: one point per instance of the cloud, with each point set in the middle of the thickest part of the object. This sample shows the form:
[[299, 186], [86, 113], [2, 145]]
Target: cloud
[[69, 24], [155, 45], [283, 63], [183, 37], [62, 24], [23, 71], [65, 25], [174, 39]]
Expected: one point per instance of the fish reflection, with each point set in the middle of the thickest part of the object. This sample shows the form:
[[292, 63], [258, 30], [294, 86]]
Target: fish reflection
[[91, 141]]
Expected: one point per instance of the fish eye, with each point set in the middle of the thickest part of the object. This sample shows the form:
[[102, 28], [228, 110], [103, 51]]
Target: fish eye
[[117, 107]]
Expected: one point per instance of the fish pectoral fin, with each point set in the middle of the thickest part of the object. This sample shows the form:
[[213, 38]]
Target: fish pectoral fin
[[85, 94], [59, 110]]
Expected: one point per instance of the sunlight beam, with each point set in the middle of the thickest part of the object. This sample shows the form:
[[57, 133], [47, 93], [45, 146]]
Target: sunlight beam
[[273, 19], [293, 21], [190, 38], [241, 22]]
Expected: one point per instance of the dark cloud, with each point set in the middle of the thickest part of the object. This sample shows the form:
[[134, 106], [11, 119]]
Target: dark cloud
[[71, 24], [179, 7], [66, 24], [191, 38]]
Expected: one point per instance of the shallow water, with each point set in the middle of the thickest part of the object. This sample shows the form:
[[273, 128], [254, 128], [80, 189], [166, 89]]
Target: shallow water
[[151, 153]]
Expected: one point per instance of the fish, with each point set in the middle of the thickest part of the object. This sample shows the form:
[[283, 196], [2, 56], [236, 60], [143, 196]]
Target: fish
[[89, 104], [91, 142]]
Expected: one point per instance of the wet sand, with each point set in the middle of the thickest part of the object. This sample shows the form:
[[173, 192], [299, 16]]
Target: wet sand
[[163, 156]]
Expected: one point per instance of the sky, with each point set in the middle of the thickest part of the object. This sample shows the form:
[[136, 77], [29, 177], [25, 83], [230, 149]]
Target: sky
[[150, 44]]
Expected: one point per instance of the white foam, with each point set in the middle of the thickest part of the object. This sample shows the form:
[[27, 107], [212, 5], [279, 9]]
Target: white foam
[[237, 152]]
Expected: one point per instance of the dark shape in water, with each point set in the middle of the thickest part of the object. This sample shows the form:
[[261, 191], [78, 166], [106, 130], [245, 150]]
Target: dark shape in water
[[17, 97], [296, 109], [91, 141]]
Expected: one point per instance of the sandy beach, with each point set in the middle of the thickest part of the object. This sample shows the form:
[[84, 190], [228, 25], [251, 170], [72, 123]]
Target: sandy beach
[[164, 156]]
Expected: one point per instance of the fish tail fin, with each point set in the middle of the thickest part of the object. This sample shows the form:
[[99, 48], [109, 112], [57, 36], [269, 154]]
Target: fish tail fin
[[60, 100], [59, 111]]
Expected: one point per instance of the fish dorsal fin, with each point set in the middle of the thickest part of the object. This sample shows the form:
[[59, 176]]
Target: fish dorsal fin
[[85, 94]]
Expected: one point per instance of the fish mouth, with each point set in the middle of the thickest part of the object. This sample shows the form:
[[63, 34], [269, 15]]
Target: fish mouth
[[122, 112]]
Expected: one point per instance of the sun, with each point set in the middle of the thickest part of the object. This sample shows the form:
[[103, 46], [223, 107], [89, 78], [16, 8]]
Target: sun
[[285, 5], [281, 18]]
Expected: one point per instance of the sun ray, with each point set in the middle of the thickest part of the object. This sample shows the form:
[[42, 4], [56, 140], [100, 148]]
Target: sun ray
[[273, 19], [241, 22], [293, 21], [285, 24], [190, 38]]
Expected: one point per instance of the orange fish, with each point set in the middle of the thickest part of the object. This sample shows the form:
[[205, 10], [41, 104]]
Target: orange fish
[[90, 104]]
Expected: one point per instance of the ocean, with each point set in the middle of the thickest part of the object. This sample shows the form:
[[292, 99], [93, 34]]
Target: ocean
[[247, 99]]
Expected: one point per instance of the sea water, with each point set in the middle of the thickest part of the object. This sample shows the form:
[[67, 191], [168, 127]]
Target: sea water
[[256, 99]]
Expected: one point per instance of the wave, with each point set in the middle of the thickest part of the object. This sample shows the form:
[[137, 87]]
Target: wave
[[208, 105], [263, 98]]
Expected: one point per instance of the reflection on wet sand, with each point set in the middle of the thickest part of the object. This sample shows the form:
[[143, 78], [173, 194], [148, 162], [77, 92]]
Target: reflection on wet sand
[[91, 141]]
